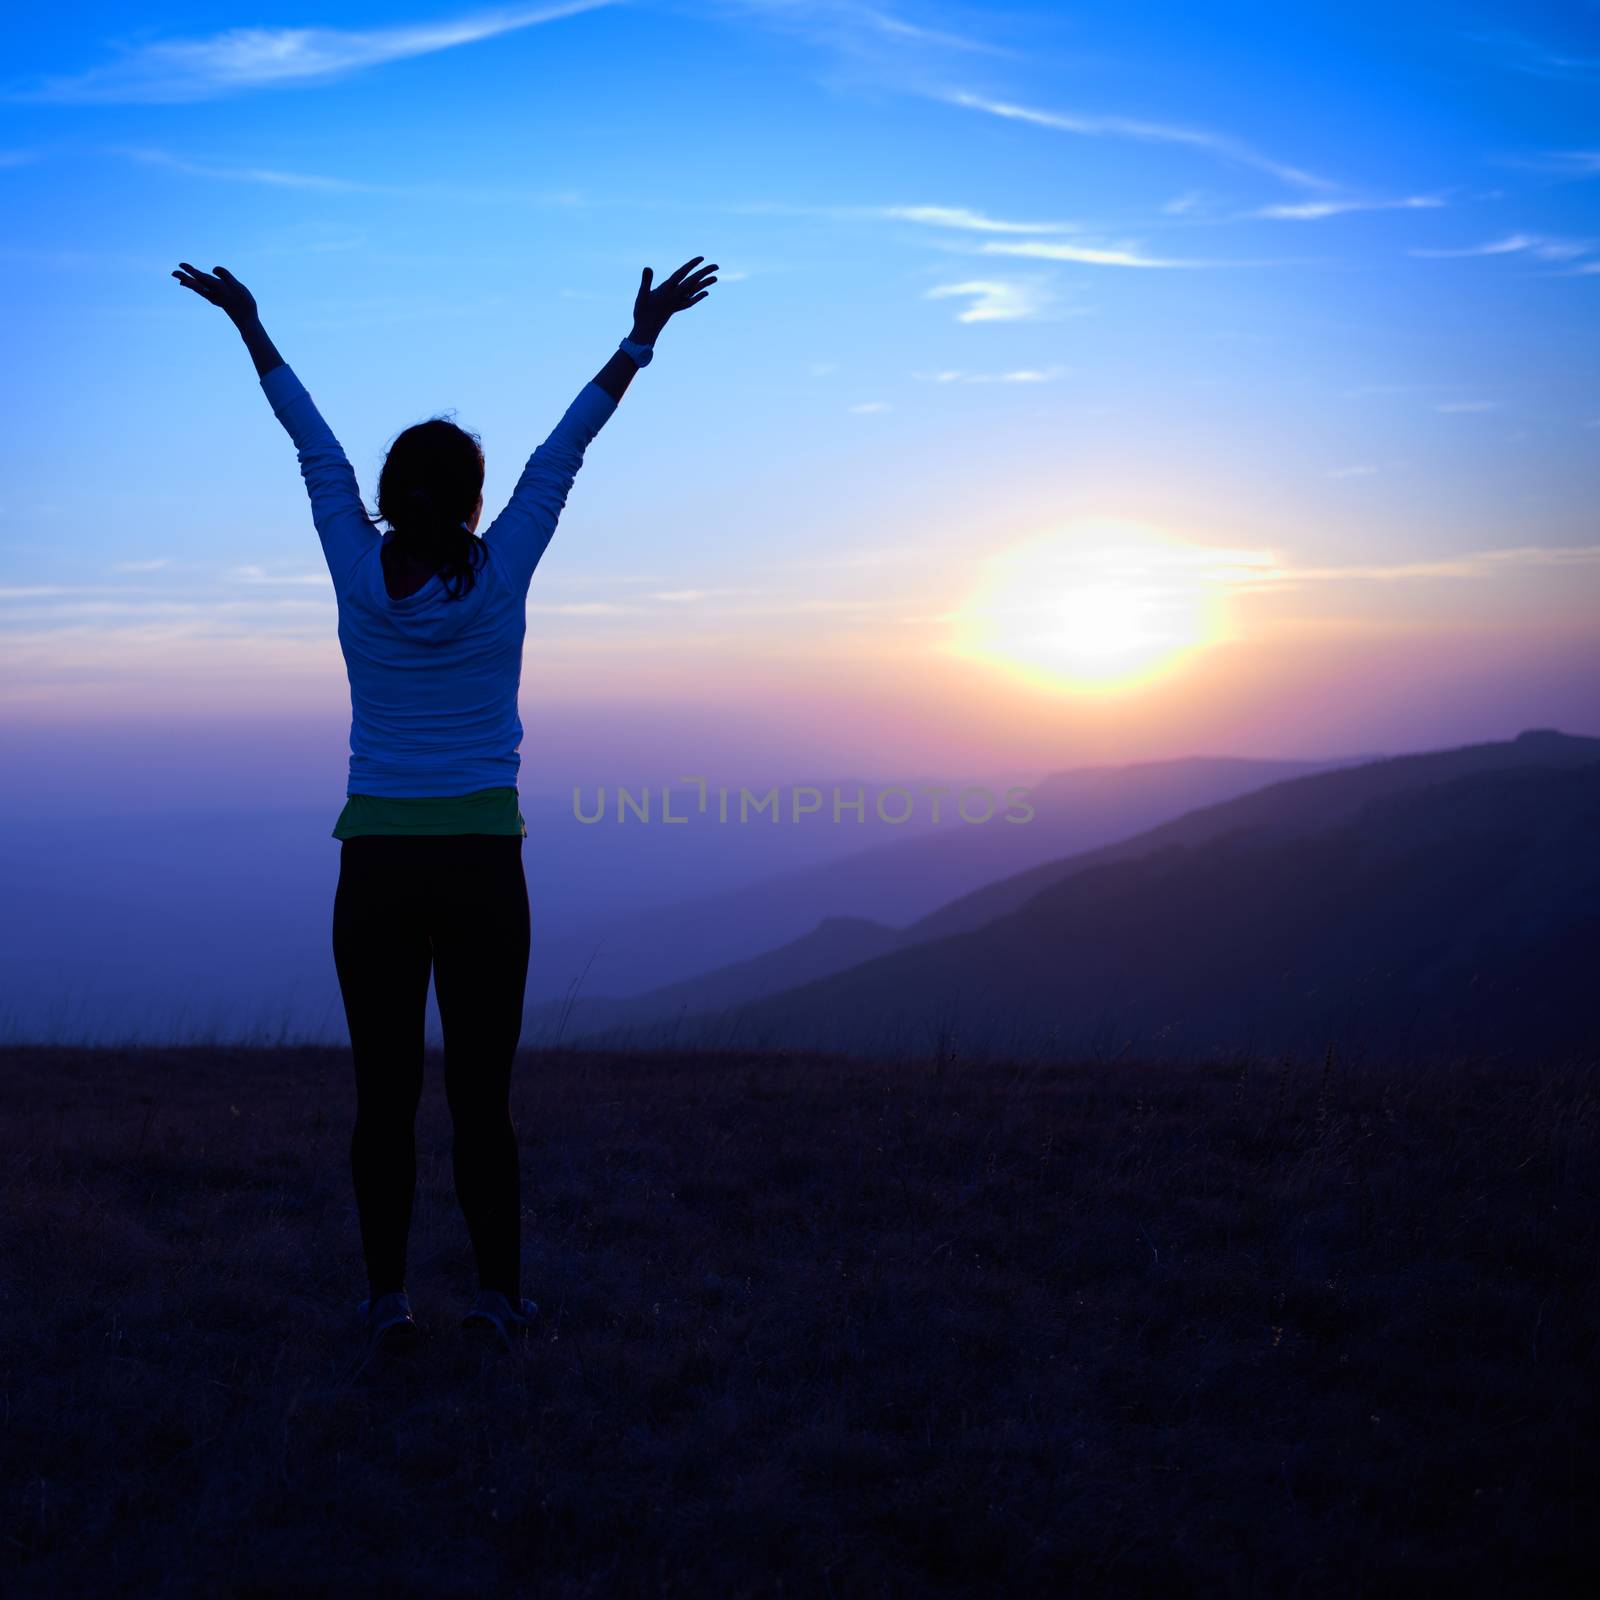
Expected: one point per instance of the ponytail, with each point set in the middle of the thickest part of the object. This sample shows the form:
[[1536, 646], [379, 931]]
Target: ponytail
[[429, 486], [435, 541]]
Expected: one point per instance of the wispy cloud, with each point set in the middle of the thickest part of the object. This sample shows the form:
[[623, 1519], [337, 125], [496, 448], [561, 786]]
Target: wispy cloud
[[1126, 254], [1445, 407], [895, 28], [584, 608], [671, 608], [252, 573], [315, 182], [993, 300], [974, 221], [169, 71], [1541, 246], [52, 602], [1163, 570], [871, 559], [962, 218], [1564, 163], [1095, 125], [1019, 375], [1470, 564], [605, 580], [155, 564], [1522, 54], [857, 30], [273, 177], [869, 406], [1362, 471], [1268, 569], [1314, 210], [1362, 390]]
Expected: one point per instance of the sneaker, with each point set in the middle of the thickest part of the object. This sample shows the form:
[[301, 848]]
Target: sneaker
[[387, 1326], [493, 1316]]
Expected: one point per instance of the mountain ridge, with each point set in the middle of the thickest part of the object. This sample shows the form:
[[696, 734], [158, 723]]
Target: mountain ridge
[[1239, 843]]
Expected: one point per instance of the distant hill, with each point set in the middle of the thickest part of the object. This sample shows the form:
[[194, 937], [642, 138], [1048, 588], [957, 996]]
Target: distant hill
[[629, 953], [1431, 902], [1291, 809]]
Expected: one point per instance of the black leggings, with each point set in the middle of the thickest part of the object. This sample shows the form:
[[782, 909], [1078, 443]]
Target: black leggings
[[458, 904]]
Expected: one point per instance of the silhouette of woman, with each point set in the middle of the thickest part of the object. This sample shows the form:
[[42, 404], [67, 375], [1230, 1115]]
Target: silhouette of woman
[[431, 622]]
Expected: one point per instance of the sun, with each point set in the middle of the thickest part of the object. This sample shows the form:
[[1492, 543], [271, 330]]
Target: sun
[[1099, 608]]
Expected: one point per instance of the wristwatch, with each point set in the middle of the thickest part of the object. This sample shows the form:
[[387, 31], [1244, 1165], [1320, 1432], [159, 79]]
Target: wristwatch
[[641, 353]]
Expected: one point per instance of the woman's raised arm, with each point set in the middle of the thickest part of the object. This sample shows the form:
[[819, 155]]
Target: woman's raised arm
[[341, 520], [521, 533]]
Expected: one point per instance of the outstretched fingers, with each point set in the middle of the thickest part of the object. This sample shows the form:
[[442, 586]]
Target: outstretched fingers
[[678, 276], [698, 287], [202, 283]]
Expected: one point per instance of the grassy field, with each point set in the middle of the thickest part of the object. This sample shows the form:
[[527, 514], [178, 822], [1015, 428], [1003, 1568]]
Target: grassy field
[[811, 1327]]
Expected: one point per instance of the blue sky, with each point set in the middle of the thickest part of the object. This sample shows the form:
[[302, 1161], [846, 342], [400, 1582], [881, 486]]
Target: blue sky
[[1310, 293]]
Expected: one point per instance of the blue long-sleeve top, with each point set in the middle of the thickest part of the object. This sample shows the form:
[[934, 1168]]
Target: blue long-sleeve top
[[433, 681]]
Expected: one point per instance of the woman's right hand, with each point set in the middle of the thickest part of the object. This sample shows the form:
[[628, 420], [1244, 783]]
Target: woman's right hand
[[652, 307], [222, 289]]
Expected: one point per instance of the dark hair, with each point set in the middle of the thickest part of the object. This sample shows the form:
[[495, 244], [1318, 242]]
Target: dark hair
[[428, 488]]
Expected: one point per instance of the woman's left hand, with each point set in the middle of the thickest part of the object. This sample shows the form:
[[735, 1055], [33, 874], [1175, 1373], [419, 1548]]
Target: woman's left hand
[[222, 290], [684, 288]]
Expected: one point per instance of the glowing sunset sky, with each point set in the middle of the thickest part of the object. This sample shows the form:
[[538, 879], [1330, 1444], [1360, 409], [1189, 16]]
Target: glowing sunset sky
[[1082, 384]]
